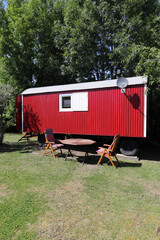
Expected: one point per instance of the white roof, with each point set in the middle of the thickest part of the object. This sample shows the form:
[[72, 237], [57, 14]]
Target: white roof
[[83, 86]]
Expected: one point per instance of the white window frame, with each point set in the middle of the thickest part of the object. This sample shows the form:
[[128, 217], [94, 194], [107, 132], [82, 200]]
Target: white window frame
[[61, 109]]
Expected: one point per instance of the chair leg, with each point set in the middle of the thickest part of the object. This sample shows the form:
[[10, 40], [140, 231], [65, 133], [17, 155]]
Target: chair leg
[[116, 159], [52, 150], [111, 161], [46, 149], [100, 159], [49, 146]]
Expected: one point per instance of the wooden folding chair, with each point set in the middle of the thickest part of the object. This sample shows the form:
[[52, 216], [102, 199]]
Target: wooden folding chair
[[50, 143], [109, 152]]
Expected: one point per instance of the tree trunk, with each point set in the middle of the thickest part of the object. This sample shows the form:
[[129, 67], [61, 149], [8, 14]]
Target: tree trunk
[[1, 128]]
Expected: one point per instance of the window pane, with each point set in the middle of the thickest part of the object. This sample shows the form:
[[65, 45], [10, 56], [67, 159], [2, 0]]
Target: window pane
[[66, 102]]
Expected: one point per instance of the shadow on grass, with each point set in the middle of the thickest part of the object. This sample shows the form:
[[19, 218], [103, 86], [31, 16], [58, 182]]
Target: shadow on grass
[[129, 164], [92, 160], [79, 153], [23, 147], [147, 152]]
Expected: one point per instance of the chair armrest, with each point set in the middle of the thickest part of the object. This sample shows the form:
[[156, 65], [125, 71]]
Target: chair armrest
[[106, 145], [101, 148], [51, 142]]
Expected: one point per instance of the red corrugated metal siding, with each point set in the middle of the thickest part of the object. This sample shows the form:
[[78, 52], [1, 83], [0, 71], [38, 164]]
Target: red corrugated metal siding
[[109, 112]]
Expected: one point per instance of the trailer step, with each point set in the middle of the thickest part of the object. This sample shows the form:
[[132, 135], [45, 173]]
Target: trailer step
[[122, 156]]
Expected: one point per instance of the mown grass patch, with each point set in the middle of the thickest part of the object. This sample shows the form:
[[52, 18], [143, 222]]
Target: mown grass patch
[[45, 198]]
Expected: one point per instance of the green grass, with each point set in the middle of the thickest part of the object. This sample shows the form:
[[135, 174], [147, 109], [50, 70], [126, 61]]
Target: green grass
[[45, 198]]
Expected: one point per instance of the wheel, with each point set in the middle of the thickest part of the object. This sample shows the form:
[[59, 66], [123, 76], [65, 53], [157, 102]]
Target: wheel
[[129, 147]]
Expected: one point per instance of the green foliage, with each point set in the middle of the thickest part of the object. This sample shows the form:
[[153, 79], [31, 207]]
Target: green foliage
[[54, 42], [5, 95], [28, 43], [76, 37], [97, 37]]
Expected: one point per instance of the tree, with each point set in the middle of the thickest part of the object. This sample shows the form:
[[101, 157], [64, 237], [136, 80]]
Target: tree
[[28, 47], [85, 37], [139, 48], [54, 42], [5, 95], [138, 38], [103, 39]]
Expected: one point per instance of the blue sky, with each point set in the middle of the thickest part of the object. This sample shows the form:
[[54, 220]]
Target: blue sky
[[5, 4]]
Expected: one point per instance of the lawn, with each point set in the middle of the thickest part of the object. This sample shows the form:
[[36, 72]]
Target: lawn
[[45, 198]]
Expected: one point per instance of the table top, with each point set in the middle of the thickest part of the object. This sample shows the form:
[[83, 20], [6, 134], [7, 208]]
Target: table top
[[77, 141]]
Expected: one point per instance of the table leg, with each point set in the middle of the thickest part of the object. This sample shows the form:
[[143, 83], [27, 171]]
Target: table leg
[[85, 157], [68, 153]]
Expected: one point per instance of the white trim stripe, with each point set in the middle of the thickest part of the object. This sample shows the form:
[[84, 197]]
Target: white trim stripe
[[84, 86], [145, 111]]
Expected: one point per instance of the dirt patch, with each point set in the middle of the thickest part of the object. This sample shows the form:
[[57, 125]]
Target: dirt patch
[[74, 187], [91, 167], [124, 182], [66, 208], [153, 188], [3, 190], [36, 153], [86, 170], [68, 194]]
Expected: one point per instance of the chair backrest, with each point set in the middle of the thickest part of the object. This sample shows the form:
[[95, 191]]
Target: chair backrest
[[49, 135], [113, 146]]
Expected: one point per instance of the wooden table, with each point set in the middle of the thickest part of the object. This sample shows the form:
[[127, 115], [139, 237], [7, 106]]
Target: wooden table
[[76, 142]]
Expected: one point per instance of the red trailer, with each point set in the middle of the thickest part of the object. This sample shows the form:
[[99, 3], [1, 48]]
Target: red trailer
[[97, 108]]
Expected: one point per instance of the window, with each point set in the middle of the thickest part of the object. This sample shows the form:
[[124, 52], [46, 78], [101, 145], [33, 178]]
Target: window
[[66, 102], [73, 102]]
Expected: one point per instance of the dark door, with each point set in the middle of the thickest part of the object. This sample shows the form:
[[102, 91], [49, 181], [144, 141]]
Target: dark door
[[18, 112]]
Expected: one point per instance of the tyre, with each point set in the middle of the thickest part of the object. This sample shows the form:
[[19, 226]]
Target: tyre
[[129, 147]]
